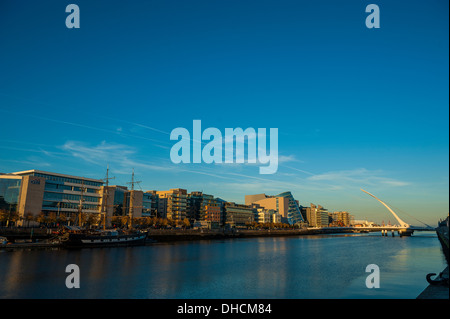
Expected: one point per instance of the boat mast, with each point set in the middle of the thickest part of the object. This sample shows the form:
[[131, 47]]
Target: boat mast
[[130, 211], [105, 196]]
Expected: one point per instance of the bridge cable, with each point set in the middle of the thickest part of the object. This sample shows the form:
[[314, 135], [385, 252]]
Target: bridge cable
[[403, 212]]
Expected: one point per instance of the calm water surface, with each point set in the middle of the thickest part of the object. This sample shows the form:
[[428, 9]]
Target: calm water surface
[[325, 266]]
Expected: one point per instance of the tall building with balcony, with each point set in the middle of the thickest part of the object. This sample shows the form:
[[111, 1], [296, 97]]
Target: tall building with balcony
[[176, 203], [317, 216]]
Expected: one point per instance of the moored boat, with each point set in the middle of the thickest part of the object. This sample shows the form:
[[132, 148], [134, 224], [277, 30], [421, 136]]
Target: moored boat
[[103, 238]]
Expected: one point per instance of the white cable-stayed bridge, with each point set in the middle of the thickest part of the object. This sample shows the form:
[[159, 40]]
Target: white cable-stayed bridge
[[402, 228]]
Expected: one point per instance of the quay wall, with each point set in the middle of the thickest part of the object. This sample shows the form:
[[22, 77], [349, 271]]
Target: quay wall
[[183, 235]]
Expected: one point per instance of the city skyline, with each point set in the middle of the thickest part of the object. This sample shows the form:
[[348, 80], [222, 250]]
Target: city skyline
[[354, 107]]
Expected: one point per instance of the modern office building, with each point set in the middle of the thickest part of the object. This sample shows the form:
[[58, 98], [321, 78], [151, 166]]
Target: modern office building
[[120, 201], [250, 199], [158, 206], [323, 218], [212, 215], [276, 217], [152, 205], [284, 203], [294, 215], [221, 203], [278, 203], [268, 216], [341, 218], [32, 192], [203, 208], [317, 216], [238, 215], [9, 192]]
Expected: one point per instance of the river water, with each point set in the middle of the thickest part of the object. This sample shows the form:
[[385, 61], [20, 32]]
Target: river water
[[319, 266]]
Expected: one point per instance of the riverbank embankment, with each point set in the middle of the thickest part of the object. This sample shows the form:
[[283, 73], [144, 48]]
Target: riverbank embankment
[[47, 239], [439, 287]]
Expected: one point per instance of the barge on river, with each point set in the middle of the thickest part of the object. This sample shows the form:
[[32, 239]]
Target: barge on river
[[103, 238]]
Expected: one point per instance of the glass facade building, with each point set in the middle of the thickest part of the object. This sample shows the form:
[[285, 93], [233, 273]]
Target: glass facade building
[[9, 192], [150, 204], [46, 192], [294, 215], [63, 194], [238, 215], [119, 198], [35, 192]]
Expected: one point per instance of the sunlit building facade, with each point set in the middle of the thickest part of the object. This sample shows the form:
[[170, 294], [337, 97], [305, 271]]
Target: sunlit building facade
[[203, 208], [176, 203], [284, 203], [33, 192], [238, 215], [294, 215]]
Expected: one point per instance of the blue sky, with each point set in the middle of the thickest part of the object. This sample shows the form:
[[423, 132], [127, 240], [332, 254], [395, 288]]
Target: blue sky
[[354, 107]]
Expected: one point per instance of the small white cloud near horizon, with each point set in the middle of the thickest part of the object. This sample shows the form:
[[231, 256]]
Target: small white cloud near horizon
[[359, 176]]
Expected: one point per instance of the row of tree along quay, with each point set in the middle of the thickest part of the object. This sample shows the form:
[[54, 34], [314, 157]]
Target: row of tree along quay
[[54, 220]]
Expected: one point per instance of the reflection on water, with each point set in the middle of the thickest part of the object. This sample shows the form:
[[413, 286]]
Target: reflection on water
[[328, 266]]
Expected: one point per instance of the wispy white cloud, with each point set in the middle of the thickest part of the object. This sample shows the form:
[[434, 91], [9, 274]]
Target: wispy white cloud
[[122, 156], [112, 132], [395, 183], [31, 162], [233, 181], [287, 158], [358, 176]]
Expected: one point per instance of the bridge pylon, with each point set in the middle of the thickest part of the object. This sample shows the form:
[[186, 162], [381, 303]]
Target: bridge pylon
[[401, 222]]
